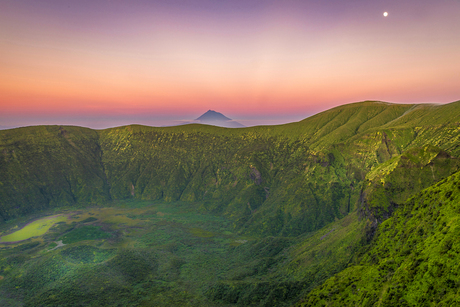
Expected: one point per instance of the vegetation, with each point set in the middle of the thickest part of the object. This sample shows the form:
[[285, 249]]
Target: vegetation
[[413, 260], [84, 233], [332, 210]]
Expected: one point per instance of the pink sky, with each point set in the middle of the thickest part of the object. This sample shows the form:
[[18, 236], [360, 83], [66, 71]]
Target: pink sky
[[108, 63]]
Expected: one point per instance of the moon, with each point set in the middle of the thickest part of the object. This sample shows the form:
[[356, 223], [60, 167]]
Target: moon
[[385, 14]]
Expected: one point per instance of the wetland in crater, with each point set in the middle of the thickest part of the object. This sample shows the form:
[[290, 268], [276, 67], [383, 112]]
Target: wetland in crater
[[137, 252]]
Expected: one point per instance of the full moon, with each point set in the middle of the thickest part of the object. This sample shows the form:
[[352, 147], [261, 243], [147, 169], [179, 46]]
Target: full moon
[[385, 14]]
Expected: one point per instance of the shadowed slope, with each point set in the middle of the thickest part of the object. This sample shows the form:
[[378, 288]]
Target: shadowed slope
[[49, 166]]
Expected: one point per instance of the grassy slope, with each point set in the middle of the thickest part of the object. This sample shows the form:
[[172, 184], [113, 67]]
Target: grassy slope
[[413, 260]]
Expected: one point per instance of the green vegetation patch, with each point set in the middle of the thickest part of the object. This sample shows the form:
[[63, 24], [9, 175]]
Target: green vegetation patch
[[88, 232], [134, 264], [413, 260], [89, 220], [87, 254], [202, 233], [34, 229]]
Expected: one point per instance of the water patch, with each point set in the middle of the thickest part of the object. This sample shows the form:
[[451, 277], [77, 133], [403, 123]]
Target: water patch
[[34, 229]]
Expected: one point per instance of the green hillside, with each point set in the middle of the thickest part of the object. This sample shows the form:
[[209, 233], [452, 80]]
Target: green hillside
[[281, 209], [49, 166], [413, 260]]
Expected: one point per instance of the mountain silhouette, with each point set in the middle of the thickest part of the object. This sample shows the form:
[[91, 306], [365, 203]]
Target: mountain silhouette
[[213, 115], [218, 119]]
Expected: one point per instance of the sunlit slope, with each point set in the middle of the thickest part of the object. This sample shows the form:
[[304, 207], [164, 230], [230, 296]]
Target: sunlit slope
[[339, 124], [413, 260], [411, 124], [49, 166], [428, 115], [392, 182]]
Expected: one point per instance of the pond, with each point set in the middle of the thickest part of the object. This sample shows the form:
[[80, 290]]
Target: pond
[[33, 229]]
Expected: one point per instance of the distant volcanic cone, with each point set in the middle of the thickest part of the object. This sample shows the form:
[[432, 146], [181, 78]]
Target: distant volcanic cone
[[212, 115], [218, 119]]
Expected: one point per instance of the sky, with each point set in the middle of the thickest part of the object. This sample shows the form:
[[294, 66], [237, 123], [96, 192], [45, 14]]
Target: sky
[[105, 63]]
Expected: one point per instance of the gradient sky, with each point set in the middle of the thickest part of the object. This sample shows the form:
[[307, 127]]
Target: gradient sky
[[102, 63]]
